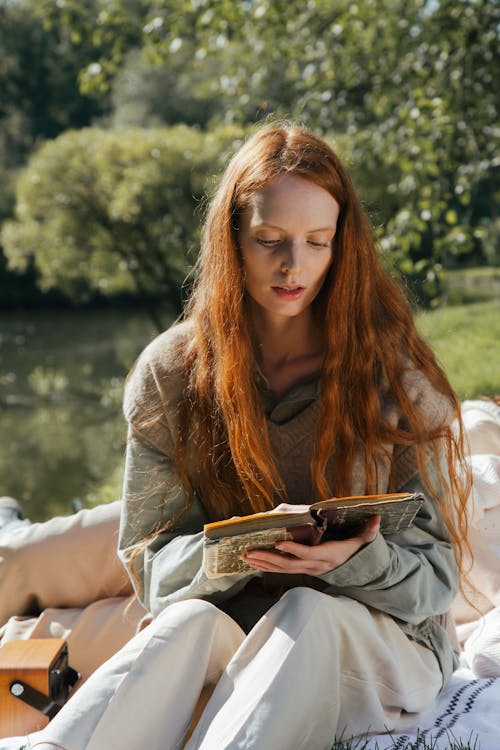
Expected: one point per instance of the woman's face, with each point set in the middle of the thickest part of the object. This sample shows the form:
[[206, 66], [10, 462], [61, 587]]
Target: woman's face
[[285, 239]]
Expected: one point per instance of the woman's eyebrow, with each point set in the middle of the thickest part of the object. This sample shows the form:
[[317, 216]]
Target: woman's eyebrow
[[266, 225], [323, 229]]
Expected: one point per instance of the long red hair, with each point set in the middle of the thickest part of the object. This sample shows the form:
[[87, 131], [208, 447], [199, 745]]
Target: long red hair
[[371, 339]]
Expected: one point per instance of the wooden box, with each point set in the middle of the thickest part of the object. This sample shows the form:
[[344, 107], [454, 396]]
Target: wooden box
[[36, 669]]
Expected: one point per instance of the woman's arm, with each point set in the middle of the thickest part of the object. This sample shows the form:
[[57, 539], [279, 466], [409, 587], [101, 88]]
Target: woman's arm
[[410, 575], [169, 566]]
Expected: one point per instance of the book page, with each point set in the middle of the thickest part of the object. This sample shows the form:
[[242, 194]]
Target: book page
[[224, 557], [393, 517], [256, 522]]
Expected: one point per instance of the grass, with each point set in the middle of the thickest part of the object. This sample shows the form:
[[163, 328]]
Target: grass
[[466, 340], [421, 742]]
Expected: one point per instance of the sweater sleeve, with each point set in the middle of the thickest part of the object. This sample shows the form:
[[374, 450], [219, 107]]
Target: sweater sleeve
[[410, 575], [167, 567]]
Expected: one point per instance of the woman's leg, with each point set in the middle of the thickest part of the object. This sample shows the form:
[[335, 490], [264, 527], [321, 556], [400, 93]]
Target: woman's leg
[[315, 667], [145, 695]]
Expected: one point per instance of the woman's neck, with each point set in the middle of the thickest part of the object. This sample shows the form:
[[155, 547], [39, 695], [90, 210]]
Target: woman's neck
[[287, 350]]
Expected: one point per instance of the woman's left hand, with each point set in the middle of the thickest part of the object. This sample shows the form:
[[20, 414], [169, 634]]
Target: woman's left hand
[[316, 560]]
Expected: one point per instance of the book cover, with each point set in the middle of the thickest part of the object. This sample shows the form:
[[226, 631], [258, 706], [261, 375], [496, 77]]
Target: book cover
[[337, 518]]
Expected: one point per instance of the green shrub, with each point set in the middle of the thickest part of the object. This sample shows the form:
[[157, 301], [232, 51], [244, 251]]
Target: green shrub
[[115, 211]]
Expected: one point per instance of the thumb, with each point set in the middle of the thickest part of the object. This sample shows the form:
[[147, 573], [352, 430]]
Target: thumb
[[370, 530]]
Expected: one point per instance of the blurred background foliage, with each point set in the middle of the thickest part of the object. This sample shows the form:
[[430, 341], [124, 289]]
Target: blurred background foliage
[[404, 88], [116, 116], [115, 211]]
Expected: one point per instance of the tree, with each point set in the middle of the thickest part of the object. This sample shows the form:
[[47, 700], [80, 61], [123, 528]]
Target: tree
[[408, 82], [39, 91], [39, 98], [435, 142], [111, 28], [405, 85], [115, 211]]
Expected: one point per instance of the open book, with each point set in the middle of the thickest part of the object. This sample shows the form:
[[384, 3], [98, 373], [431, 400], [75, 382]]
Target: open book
[[338, 518]]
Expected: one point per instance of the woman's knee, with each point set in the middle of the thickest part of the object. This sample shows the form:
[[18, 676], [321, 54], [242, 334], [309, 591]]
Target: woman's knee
[[307, 599], [302, 608], [302, 596], [205, 629], [191, 613], [325, 612]]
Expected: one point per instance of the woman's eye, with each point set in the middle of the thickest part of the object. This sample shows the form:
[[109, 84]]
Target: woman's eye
[[267, 243], [274, 242], [319, 244]]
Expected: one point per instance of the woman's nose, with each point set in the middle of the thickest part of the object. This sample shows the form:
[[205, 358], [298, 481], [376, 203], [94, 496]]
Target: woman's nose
[[291, 257]]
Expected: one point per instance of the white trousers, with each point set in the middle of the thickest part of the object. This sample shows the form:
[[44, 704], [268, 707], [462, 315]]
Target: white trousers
[[313, 668]]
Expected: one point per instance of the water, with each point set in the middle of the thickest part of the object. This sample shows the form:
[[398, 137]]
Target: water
[[62, 434]]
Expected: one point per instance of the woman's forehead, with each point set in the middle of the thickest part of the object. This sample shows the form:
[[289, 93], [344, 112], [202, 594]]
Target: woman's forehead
[[289, 197]]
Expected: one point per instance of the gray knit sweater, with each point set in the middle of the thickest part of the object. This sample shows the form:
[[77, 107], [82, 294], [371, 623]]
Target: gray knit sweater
[[411, 576]]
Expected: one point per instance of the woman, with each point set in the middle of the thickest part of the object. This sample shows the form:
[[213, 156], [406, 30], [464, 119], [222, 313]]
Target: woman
[[297, 374]]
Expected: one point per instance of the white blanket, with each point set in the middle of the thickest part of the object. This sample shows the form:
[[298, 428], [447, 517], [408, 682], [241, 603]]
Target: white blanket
[[467, 712]]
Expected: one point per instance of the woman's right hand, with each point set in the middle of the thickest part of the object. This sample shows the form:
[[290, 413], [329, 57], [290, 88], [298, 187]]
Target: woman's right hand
[[292, 557]]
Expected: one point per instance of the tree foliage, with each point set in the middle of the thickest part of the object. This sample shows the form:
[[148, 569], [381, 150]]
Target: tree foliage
[[39, 94], [39, 99], [411, 84], [147, 95], [115, 211], [407, 86]]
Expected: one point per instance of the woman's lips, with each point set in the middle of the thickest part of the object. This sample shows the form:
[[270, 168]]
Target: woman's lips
[[289, 292]]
